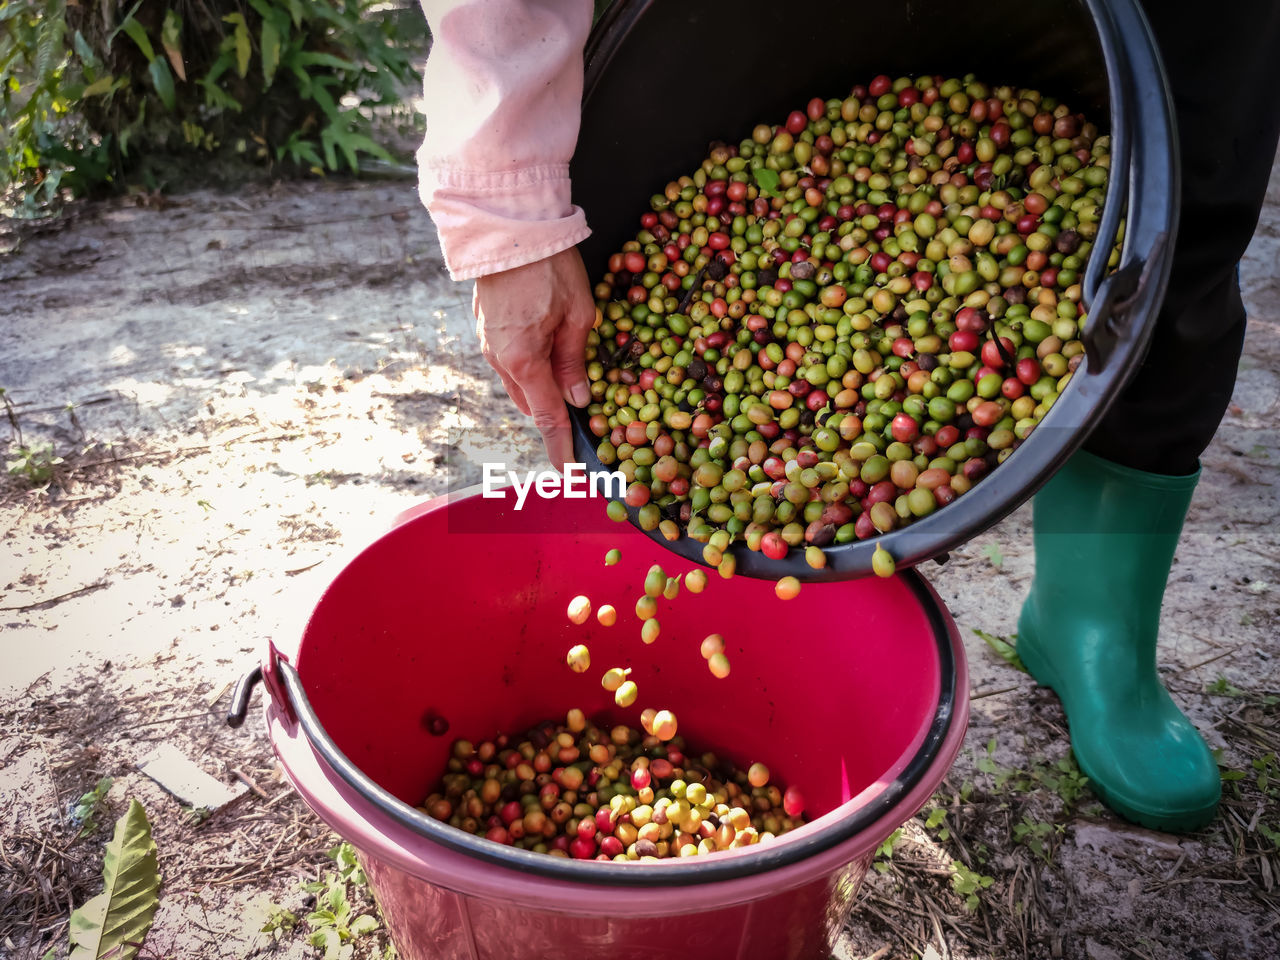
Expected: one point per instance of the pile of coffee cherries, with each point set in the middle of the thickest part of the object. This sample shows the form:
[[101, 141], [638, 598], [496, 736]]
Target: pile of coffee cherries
[[574, 789], [843, 323]]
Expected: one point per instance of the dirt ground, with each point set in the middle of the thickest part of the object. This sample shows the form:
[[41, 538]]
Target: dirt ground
[[241, 389]]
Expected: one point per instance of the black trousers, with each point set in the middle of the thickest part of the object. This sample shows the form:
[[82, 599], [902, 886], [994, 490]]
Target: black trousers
[[1223, 64]]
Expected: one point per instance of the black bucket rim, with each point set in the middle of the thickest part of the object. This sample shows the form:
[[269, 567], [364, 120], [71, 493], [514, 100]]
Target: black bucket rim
[[1127, 299], [691, 871]]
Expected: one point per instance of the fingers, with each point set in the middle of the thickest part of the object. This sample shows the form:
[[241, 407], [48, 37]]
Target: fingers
[[546, 406], [513, 391], [568, 354], [569, 347], [490, 354], [559, 445], [533, 323]]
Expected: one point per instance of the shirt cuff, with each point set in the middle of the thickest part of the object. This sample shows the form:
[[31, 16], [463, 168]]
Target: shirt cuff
[[490, 221]]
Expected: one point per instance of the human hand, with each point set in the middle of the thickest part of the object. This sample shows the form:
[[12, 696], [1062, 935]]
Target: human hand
[[532, 322]]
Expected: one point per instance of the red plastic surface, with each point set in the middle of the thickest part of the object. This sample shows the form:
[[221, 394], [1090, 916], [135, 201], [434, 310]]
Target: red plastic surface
[[832, 690], [458, 614]]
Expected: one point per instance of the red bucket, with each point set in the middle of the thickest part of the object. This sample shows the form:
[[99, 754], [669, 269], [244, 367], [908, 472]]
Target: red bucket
[[855, 692]]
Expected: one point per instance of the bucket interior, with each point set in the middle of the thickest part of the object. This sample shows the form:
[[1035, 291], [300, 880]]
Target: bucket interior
[[715, 71], [460, 615]]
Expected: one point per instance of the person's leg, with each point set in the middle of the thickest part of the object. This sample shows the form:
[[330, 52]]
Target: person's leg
[[1223, 71], [1107, 524]]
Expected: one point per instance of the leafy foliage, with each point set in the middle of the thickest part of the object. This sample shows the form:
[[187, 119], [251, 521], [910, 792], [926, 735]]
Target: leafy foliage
[[884, 852], [349, 869], [1222, 687], [937, 820], [92, 89], [1038, 836], [767, 180], [34, 464], [969, 883], [115, 922], [336, 921], [86, 809], [278, 921], [1061, 778], [1003, 649]]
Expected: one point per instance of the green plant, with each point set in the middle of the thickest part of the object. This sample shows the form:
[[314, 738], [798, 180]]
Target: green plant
[[334, 922], [349, 869], [767, 181], [1001, 775], [93, 90], [278, 921], [1065, 779], [1003, 649], [1037, 836], [115, 922], [50, 72], [1270, 834], [1062, 778], [89, 806], [884, 852], [1222, 687], [1268, 774], [196, 815], [35, 463], [36, 114], [936, 819], [969, 883]]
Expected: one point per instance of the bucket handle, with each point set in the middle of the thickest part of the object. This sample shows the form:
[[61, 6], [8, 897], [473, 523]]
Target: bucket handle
[[239, 708], [269, 675]]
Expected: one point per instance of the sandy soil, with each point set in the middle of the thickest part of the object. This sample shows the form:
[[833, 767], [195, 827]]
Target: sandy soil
[[245, 388]]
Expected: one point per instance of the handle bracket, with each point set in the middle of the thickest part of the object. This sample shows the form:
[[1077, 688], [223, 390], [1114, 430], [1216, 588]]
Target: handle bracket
[[269, 675], [1116, 295]]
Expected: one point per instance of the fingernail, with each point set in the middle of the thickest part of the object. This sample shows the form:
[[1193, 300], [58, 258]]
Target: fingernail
[[581, 394]]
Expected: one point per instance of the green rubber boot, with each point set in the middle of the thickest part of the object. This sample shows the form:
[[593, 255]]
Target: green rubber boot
[[1104, 541]]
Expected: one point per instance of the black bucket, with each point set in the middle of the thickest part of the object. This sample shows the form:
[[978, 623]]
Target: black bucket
[[665, 77]]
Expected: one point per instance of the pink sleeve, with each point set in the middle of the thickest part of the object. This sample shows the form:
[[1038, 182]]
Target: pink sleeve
[[503, 89]]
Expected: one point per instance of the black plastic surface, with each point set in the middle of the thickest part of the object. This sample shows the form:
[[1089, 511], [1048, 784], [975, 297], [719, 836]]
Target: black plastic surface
[[665, 77]]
